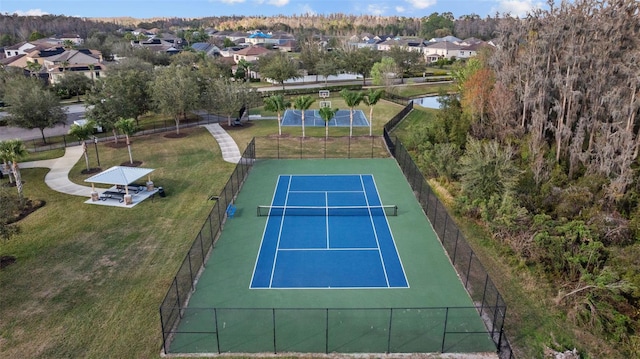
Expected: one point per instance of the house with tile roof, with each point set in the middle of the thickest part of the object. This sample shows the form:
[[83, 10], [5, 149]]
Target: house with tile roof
[[250, 54]]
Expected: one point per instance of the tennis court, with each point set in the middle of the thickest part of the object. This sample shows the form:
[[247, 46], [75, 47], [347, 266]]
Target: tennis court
[[292, 276], [312, 118], [327, 231]]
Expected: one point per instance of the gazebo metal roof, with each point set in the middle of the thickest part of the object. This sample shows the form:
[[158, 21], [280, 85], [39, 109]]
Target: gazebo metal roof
[[119, 175]]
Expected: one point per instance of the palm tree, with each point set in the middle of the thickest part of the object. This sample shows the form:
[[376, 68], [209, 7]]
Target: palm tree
[[12, 151], [128, 127], [83, 133], [303, 103], [5, 161], [327, 114], [371, 99], [277, 103], [352, 99], [33, 68]]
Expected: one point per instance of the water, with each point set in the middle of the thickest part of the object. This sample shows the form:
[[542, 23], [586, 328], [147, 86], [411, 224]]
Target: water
[[428, 102]]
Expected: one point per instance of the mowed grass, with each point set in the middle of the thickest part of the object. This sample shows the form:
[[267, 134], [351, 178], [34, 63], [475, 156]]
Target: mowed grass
[[383, 111], [89, 279]]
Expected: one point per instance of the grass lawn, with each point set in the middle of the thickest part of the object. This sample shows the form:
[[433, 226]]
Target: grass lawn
[[88, 280]]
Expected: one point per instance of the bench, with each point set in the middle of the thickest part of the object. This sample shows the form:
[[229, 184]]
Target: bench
[[231, 210], [132, 188], [112, 195]]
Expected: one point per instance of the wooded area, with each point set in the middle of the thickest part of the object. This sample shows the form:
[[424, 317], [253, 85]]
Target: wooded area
[[545, 137]]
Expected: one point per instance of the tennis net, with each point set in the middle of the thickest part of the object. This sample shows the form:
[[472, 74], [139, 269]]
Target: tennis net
[[386, 210]]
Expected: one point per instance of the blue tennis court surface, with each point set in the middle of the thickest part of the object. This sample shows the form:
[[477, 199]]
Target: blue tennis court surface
[[312, 118], [327, 231]]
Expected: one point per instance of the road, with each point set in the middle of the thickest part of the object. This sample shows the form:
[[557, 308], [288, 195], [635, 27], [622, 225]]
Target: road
[[74, 112]]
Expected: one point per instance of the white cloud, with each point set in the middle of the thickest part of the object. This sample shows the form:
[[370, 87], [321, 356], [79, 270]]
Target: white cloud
[[517, 8], [400, 9], [277, 3], [376, 9], [421, 4], [306, 9], [232, 1], [31, 12]]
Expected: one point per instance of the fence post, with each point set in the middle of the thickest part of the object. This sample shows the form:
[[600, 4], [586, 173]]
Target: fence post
[[202, 249], [164, 337], [484, 293], [444, 331], [466, 281], [389, 337], [455, 247], [190, 270], [215, 319], [326, 332], [273, 315], [175, 281]]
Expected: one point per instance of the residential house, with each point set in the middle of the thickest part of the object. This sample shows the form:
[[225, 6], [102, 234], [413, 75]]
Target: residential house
[[250, 54], [158, 45], [209, 49], [449, 38], [289, 46], [238, 37], [75, 39], [18, 49], [87, 62], [257, 37], [443, 49]]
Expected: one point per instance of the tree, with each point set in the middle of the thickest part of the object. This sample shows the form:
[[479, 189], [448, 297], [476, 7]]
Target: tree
[[352, 99], [384, 72], [310, 54], [278, 67], [74, 83], [371, 99], [83, 133], [128, 127], [327, 113], [33, 106], [360, 61], [33, 68], [175, 92], [486, 169], [326, 67], [303, 103], [437, 25], [277, 103], [12, 151], [228, 97], [406, 61]]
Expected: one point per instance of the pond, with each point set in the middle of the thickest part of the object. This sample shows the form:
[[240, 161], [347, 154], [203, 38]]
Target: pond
[[428, 102]]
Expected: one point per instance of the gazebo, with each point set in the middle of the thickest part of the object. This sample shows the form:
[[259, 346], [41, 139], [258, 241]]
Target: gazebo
[[121, 177]]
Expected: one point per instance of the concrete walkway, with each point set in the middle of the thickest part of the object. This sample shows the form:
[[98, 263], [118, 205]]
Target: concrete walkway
[[58, 178], [229, 148]]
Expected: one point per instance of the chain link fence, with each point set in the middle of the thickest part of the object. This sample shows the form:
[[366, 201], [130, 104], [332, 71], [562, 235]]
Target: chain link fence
[[385, 329]]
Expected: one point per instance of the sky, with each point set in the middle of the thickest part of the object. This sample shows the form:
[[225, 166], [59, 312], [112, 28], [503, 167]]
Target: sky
[[144, 9]]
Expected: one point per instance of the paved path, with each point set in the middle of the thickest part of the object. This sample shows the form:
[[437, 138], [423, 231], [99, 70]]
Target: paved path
[[229, 148], [58, 178]]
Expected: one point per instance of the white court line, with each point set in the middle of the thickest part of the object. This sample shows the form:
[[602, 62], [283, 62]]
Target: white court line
[[275, 256], [375, 232]]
